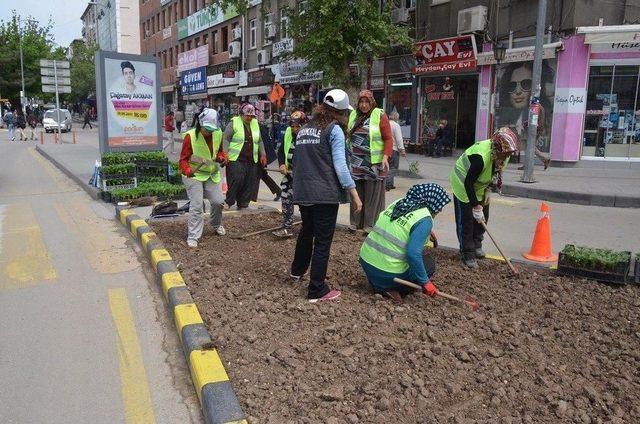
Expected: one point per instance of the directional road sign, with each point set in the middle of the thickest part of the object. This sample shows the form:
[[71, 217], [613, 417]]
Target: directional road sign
[[52, 89], [52, 80], [49, 72], [60, 64]]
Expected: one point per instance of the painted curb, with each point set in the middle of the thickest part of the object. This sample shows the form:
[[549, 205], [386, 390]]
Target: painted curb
[[210, 380], [91, 191]]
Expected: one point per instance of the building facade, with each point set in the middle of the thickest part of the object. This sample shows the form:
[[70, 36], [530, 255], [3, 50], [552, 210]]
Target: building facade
[[116, 25], [88, 19]]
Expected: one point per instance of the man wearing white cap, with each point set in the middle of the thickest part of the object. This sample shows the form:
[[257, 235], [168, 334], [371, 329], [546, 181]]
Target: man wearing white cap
[[199, 162], [245, 149]]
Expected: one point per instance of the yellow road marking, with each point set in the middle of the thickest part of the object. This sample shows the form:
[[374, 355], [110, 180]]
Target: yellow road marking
[[24, 260], [496, 258], [502, 200], [103, 246], [58, 177], [135, 391]]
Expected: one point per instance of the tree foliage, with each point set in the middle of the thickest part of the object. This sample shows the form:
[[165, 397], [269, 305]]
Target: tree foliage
[[333, 34], [83, 72], [37, 43]]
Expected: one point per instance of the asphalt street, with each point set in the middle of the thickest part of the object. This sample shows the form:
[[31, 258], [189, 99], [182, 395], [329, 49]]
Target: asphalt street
[[85, 336]]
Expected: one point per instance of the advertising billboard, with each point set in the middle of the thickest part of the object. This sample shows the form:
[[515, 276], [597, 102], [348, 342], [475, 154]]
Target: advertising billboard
[[193, 58], [129, 107], [446, 55]]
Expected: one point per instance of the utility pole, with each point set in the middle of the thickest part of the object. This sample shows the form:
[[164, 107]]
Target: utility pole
[[534, 107], [23, 95]]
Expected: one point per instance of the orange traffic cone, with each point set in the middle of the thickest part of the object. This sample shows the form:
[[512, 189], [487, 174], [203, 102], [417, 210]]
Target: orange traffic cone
[[224, 181], [541, 245]]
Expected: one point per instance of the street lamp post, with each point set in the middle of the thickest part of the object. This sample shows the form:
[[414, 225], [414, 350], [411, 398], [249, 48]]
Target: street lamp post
[[23, 95]]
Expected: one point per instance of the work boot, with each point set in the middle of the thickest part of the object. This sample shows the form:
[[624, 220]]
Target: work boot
[[283, 233], [470, 260], [480, 253]]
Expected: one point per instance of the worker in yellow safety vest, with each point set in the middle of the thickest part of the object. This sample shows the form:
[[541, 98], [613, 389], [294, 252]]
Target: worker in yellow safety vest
[[478, 168], [199, 163], [395, 247], [370, 140], [244, 146]]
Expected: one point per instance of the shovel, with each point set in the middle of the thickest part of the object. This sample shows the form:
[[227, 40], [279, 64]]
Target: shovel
[[471, 302], [255, 233], [515, 271]]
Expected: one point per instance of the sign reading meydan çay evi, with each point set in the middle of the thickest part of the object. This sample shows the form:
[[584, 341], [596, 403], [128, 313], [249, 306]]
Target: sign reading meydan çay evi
[[203, 19]]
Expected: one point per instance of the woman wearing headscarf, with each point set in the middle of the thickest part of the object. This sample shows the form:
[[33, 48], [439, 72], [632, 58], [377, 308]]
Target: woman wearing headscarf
[[395, 247], [371, 143]]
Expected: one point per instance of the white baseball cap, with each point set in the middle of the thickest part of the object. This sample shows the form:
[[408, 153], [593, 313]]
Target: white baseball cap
[[209, 119], [337, 99]]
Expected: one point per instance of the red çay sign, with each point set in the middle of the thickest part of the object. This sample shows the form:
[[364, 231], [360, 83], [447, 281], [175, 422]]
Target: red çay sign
[[447, 55]]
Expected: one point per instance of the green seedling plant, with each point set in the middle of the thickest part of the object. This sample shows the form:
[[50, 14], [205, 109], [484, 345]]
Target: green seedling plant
[[605, 260]]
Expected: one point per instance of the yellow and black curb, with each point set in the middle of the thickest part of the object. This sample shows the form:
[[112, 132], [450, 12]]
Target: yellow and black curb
[[215, 393]]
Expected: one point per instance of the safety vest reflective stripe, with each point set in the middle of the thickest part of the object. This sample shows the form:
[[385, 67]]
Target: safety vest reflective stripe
[[389, 237], [237, 141], [200, 150], [385, 251]]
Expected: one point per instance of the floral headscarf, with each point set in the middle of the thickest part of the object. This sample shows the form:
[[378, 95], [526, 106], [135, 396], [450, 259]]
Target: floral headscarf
[[431, 195]]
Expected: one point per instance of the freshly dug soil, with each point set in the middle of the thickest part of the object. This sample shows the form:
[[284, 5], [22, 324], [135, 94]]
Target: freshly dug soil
[[541, 348]]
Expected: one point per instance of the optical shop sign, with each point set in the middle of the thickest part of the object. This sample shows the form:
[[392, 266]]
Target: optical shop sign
[[455, 54], [193, 81]]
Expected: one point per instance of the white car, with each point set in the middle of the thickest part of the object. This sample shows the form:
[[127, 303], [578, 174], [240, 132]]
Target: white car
[[50, 120]]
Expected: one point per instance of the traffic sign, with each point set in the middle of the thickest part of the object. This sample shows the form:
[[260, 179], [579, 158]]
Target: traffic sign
[[49, 72], [60, 64], [52, 89], [52, 80]]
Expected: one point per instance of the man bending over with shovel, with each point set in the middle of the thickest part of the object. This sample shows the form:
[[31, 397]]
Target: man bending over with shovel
[[395, 248]]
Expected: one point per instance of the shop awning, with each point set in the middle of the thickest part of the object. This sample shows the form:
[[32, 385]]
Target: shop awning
[[610, 34], [253, 91], [223, 90], [520, 54]]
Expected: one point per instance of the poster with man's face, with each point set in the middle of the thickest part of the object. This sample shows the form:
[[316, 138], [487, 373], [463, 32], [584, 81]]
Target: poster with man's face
[[130, 102], [513, 88]]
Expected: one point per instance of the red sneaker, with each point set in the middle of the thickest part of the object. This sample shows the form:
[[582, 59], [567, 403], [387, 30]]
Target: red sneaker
[[333, 294]]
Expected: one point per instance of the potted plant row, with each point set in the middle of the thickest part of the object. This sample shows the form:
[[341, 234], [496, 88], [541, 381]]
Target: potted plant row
[[598, 264]]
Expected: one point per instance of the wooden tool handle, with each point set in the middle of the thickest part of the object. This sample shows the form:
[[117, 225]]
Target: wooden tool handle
[[513, 269]]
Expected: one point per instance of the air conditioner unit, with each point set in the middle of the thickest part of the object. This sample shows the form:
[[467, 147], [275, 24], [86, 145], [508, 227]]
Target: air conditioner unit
[[269, 31], [264, 57], [409, 4], [236, 33], [399, 15], [472, 19], [235, 49]]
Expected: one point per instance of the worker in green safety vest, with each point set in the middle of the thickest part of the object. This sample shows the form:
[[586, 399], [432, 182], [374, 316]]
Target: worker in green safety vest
[[243, 144], [478, 168], [199, 163], [395, 247], [370, 140], [285, 161]]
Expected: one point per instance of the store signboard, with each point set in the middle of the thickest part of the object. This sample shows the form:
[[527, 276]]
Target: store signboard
[[193, 81], [260, 77], [221, 68], [570, 100], [219, 80], [292, 67], [194, 58], [615, 48], [377, 83], [166, 33], [446, 55], [282, 46], [204, 19], [302, 78], [520, 54], [163, 2], [128, 102]]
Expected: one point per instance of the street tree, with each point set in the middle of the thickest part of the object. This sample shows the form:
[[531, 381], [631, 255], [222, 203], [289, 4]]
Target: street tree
[[37, 43], [83, 72], [331, 35]]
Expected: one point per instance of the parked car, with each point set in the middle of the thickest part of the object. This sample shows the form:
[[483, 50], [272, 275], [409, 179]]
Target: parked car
[[50, 120]]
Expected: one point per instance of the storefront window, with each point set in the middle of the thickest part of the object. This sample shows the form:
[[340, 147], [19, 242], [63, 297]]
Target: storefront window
[[399, 100], [513, 88], [611, 122]]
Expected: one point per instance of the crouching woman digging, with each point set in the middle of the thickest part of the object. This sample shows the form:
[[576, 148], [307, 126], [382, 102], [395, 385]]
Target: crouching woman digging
[[395, 248], [199, 162]]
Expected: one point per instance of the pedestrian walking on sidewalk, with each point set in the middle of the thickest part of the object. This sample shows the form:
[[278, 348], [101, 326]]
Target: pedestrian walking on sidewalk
[[33, 123], [398, 150], [168, 129], [179, 119], [245, 149], [21, 125], [9, 119], [396, 246], [322, 182], [371, 146], [285, 160], [87, 119], [200, 161], [478, 168]]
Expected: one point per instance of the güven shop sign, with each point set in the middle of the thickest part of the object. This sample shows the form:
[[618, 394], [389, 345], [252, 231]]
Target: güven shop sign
[[447, 55]]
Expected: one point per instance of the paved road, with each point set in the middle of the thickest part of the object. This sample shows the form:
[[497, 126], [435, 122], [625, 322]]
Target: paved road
[[84, 336]]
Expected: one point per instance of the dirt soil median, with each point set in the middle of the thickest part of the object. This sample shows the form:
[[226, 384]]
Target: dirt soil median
[[542, 348]]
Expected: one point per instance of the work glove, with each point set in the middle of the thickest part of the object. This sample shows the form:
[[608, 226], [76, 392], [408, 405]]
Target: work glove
[[434, 239], [478, 214], [189, 173], [263, 161], [430, 289], [283, 169], [222, 158]]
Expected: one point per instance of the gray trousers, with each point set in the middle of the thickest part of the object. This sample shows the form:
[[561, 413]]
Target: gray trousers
[[372, 196], [197, 192]]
